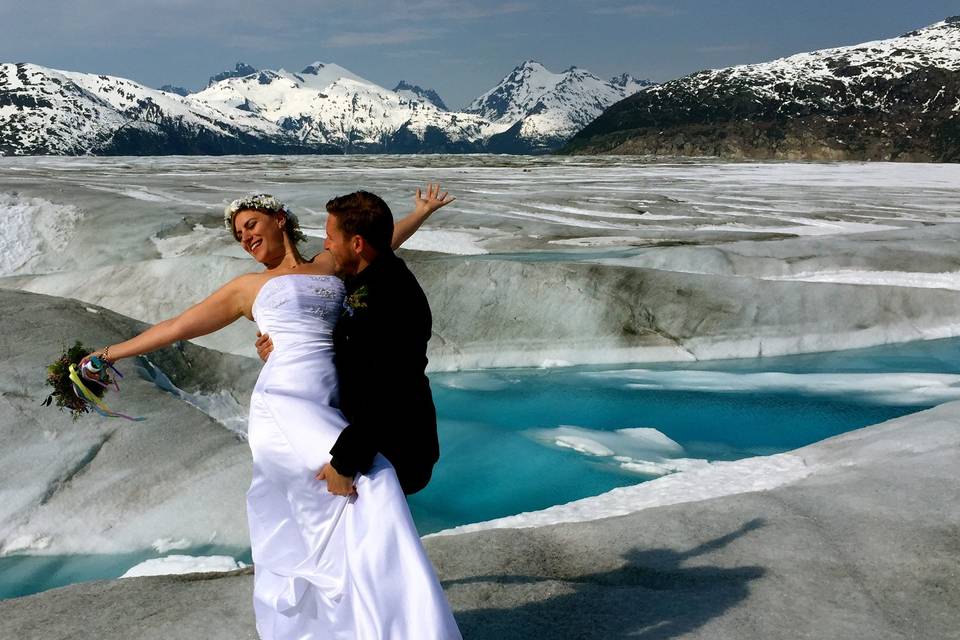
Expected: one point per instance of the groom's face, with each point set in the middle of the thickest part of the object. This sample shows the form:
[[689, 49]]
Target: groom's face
[[342, 248]]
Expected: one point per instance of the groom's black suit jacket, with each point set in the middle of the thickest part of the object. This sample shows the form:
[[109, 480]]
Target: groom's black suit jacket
[[380, 346]]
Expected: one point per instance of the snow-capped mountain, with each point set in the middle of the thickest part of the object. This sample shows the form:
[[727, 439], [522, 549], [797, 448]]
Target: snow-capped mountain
[[629, 84], [239, 70], [319, 75], [888, 99], [45, 111], [172, 88], [327, 105], [415, 92], [324, 108], [538, 110]]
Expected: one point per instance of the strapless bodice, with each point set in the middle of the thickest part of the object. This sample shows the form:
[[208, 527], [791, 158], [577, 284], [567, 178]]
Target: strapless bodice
[[300, 312]]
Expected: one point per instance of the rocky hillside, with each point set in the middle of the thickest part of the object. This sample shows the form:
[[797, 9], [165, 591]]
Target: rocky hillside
[[895, 99], [416, 92]]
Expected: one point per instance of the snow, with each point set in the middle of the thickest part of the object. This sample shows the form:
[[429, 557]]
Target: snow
[[884, 223], [527, 303], [202, 240], [946, 280], [441, 241], [163, 545], [177, 564], [877, 388], [809, 227], [123, 94], [325, 104], [220, 406], [76, 117], [526, 84], [33, 227], [154, 290], [320, 75], [335, 107], [453, 242], [710, 480], [598, 241], [550, 105], [79, 111], [640, 450], [937, 45], [25, 543]]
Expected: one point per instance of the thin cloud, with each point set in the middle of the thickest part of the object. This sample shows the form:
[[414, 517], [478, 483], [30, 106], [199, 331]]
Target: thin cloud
[[725, 48], [448, 11], [636, 10], [499, 10], [374, 38], [414, 54]]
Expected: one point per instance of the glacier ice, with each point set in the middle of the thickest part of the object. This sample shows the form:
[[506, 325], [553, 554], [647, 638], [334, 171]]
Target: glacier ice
[[178, 564], [105, 486], [541, 261]]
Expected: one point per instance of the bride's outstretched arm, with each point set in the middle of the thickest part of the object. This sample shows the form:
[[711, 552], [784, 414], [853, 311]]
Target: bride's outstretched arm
[[218, 310]]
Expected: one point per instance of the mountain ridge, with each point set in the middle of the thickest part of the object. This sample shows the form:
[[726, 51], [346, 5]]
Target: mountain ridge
[[324, 108], [892, 99], [416, 92]]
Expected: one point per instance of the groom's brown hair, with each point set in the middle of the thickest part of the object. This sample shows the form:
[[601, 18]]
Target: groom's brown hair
[[365, 214]]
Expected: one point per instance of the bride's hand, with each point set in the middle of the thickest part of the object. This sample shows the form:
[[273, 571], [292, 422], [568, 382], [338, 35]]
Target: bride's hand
[[85, 359], [433, 200]]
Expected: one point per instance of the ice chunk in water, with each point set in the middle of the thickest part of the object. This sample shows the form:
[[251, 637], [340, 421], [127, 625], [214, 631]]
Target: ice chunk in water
[[177, 564], [640, 449]]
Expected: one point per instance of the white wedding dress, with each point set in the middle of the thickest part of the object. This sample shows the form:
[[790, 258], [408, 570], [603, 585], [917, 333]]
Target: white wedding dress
[[325, 566]]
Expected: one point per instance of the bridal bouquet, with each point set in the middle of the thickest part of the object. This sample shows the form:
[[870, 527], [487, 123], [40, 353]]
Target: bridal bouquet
[[79, 383]]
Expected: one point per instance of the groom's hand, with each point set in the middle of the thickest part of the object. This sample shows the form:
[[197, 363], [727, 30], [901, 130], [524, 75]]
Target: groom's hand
[[433, 200], [336, 483], [264, 345]]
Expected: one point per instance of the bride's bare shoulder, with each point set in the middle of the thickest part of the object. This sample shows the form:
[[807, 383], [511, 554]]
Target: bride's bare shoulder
[[247, 285], [323, 264]]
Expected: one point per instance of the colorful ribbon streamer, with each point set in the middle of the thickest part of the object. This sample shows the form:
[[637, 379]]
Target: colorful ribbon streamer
[[96, 403]]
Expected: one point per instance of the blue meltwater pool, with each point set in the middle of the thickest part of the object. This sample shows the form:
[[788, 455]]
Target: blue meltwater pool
[[525, 439], [519, 440]]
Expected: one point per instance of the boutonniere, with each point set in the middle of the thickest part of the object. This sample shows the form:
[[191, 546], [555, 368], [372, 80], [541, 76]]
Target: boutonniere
[[355, 301]]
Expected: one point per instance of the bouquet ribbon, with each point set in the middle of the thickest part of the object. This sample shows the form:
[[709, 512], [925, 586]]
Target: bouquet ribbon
[[96, 403]]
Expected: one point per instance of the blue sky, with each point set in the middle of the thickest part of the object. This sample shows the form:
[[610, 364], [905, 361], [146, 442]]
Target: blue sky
[[459, 48]]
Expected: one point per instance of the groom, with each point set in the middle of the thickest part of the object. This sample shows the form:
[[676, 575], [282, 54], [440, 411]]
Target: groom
[[380, 346]]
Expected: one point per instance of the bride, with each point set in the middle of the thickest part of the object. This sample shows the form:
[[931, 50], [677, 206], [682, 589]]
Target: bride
[[325, 565]]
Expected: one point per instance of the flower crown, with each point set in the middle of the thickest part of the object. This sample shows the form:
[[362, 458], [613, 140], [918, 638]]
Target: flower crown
[[268, 204]]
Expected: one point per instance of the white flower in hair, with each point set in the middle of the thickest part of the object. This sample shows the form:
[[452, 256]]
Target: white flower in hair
[[268, 204]]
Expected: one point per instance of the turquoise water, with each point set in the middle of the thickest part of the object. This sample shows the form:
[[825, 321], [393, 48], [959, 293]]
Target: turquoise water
[[23, 575], [498, 431], [494, 464]]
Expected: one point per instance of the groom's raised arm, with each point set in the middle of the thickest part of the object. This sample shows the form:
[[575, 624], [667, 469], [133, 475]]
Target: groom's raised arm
[[423, 208], [424, 204]]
